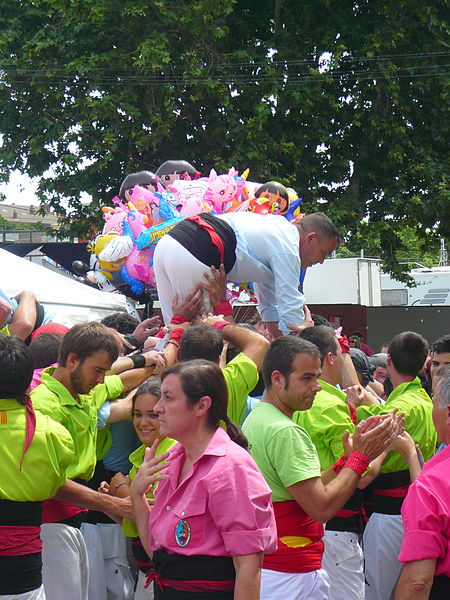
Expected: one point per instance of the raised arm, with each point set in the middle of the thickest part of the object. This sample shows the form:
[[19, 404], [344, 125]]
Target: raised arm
[[24, 317]]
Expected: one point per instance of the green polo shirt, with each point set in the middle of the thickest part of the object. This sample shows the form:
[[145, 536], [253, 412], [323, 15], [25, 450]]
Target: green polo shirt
[[79, 417], [5, 330], [326, 422], [45, 464], [410, 398], [282, 450], [129, 528]]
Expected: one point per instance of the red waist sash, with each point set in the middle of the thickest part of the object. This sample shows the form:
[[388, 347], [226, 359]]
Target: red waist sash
[[54, 511], [19, 540], [215, 237], [300, 545], [399, 492], [194, 585]]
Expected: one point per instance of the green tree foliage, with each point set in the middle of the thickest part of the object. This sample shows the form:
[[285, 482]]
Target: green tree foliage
[[346, 101]]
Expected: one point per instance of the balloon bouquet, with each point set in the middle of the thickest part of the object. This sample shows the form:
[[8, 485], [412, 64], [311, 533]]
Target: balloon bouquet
[[149, 205]]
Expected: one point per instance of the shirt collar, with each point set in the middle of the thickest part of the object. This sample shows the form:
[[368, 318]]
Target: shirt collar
[[407, 386], [217, 446], [57, 387], [10, 404], [332, 389]]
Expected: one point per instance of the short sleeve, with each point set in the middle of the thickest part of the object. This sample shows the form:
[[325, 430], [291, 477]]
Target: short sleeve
[[62, 442], [111, 389], [425, 519], [241, 376], [293, 455], [337, 422], [240, 505]]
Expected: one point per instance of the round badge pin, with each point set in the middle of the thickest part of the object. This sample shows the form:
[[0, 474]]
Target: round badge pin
[[182, 533]]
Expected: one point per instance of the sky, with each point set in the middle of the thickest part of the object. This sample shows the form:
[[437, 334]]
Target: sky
[[20, 189]]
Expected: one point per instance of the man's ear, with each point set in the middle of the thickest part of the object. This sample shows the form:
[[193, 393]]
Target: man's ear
[[328, 360], [72, 361], [312, 235], [278, 379]]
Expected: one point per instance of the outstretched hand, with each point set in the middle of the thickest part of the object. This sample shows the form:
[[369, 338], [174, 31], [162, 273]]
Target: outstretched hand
[[155, 358], [150, 471], [147, 328], [190, 306], [308, 322], [216, 285]]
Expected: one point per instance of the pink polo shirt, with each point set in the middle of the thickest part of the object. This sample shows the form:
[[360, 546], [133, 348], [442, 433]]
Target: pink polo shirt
[[222, 508], [426, 515]]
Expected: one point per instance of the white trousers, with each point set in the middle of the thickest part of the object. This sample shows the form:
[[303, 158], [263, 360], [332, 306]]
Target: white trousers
[[142, 593], [344, 563], [276, 585], [65, 568], [381, 542], [109, 571], [37, 594], [177, 271]]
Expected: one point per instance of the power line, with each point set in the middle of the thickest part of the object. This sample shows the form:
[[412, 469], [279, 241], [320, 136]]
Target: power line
[[249, 64], [284, 78]]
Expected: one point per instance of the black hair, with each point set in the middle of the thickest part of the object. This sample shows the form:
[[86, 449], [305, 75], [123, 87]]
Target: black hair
[[273, 187], [45, 349], [200, 341], [16, 368], [175, 166], [121, 322], [321, 336], [204, 378], [84, 339], [139, 178], [319, 320], [441, 345], [408, 351], [281, 354], [319, 223], [232, 351], [255, 319]]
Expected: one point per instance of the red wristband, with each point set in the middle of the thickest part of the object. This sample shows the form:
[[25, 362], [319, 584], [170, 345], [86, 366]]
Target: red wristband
[[339, 464], [219, 325], [358, 462], [343, 342], [178, 320], [175, 334], [224, 308], [161, 333]]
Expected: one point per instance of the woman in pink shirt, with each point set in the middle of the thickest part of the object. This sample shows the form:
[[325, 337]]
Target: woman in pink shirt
[[212, 520]]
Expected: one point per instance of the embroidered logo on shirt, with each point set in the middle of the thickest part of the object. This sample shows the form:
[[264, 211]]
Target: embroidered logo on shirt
[[182, 533]]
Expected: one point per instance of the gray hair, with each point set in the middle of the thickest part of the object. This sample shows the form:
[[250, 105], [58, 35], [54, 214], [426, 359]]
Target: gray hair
[[442, 391]]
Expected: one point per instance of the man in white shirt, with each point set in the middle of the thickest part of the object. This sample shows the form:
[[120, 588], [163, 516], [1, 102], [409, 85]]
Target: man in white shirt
[[265, 249]]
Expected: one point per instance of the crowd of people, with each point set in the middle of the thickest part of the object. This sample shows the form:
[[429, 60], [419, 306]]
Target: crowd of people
[[207, 459]]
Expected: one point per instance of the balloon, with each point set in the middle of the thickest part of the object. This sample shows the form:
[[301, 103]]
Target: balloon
[[150, 237], [123, 253]]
